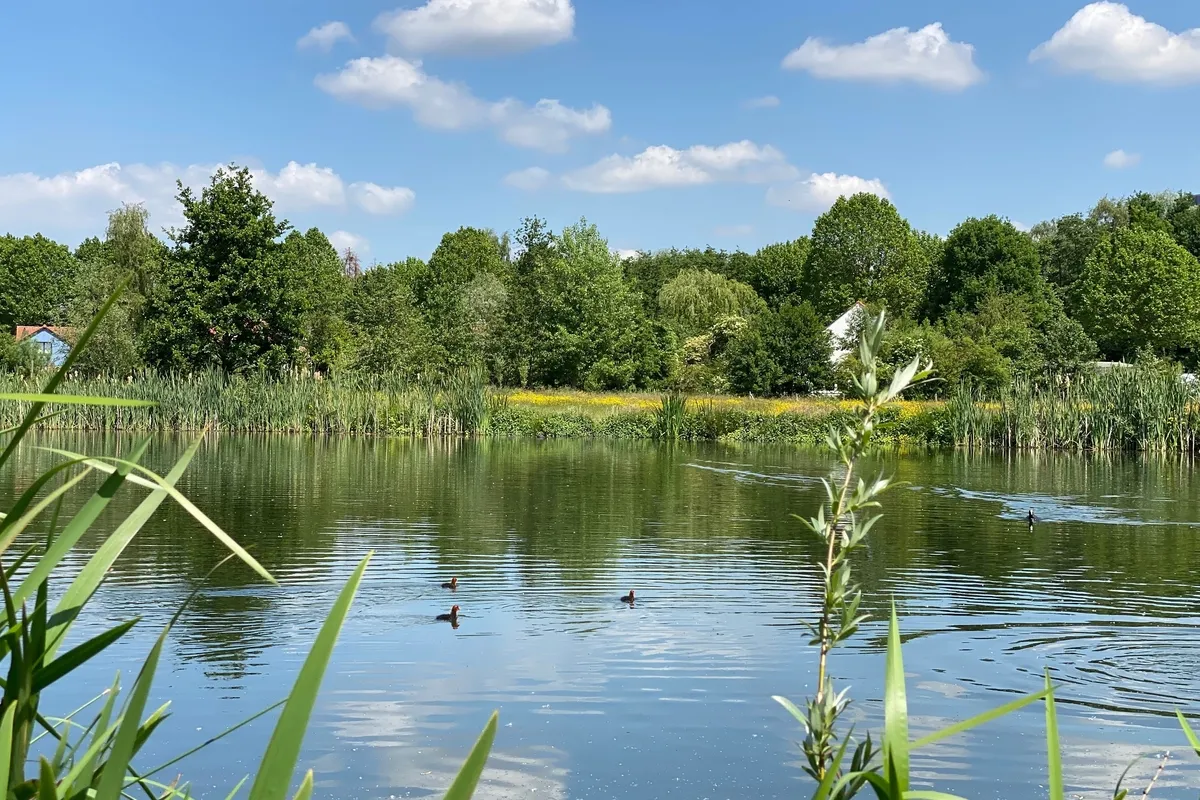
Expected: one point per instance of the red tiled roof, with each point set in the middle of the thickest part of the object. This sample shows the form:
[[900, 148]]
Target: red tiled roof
[[57, 331]]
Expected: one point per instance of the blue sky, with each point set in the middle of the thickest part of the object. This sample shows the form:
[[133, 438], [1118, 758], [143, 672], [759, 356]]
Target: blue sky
[[400, 123]]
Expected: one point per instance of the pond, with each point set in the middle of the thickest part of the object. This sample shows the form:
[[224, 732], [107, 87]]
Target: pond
[[670, 697]]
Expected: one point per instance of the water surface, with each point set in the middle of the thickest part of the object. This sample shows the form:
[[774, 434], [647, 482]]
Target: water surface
[[669, 698]]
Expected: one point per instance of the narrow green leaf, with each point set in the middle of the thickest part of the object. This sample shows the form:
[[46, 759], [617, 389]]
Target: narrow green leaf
[[1053, 753], [468, 775], [895, 711], [102, 466], [74, 400], [791, 708], [77, 656], [74, 780], [63, 372], [92, 574], [11, 532], [112, 777], [78, 526], [306, 787], [47, 782], [6, 732], [213, 739], [37, 421], [1188, 732], [87, 766], [825, 787], [921, 794], [275, 770], [237, 788], [979, 719]]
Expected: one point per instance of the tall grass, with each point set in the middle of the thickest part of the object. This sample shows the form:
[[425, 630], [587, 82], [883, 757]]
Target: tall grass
[[1135, 409], [92, 752]]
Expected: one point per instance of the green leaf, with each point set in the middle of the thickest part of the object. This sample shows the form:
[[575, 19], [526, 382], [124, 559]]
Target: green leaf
[[79, 655], [77, 527], [213, 739], [13, 530], [6, 732], [895, 711], [791, 708], [306, 787], [1188, 732], [112, 777], [1053, 753], [825, 787], [278, 763], [75, 400], [37, 421], [92, 574], [977, 720], [62, 372], [47, 782], [237, 788], [468, 776], [86, 768]]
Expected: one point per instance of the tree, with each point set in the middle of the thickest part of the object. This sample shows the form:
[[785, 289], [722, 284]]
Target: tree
[[1140, 289], [320, 289], [985, 257], [462, 258], [1063, 248], [113, 349], [781, 352], [862, 249], [1184, 217], [694, 300], [132, 249], [389, 335], [778, 272], [228, 297], [36, 279]]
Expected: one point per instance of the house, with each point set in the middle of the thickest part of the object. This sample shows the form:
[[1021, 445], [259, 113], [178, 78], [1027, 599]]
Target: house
[[843, 330], [49, 339]]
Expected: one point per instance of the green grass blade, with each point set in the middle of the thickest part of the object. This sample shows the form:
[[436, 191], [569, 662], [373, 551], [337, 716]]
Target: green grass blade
[[237, 788], [895, 711], [6, 732], [791, 708], [922, 794], [199, 516], [1053, 752], [77, 527], [73, 780], [79, 655], [468, 776], [214, 739], [825, 787], [75, 400], [11, 532], [47, 782], [92, 574], [112, 777], [102, 466], [279, 762], [87, 768], [62, 373], [979, 719], [1188, 732], [306, 787], [37, 421]]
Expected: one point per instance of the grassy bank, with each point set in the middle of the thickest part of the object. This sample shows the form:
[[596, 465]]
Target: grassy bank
[[382, 406]]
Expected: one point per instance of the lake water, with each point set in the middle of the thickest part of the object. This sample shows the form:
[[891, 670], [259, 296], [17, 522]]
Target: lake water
[[672, 697]]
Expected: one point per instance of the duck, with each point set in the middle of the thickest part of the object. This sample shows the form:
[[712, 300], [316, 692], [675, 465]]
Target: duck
[[451, 617], [628, 598], [1032, 518], [451, 584]]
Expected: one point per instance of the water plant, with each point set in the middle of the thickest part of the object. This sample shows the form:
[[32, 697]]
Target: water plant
[[93, 758], [670, 416]]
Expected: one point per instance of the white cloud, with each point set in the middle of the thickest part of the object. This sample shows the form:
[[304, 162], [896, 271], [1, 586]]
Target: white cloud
[[1119, 159], [530, 179], [819, 191], [74, 201], [341, 240], [472, 27], [1110, 42], [1021, 226], [925, 56], [324, 37], [392, 81], [625, 253], [733, 230], [769, 101], [662, 166], [376, 199]]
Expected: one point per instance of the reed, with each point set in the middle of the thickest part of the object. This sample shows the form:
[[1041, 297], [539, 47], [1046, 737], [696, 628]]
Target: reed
[[670, 416]]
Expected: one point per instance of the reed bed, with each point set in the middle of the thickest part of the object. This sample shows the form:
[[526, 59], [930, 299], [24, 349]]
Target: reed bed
[[1140, 410]]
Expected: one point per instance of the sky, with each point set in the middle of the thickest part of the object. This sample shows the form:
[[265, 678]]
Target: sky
[[666, 123]]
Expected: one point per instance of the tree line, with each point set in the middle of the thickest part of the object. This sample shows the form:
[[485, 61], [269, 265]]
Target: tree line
[[237, 289]]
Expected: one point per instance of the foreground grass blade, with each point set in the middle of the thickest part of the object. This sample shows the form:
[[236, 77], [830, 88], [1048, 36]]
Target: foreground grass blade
[[895, 712], [1188, 732], [92, 574], [306, 787], [213, 739], [1053, 753], [279, 762], [112, 777], [63, 371], [13, 530], [78, 655], [979, 719], [923, 794], [77, 527], [75, 400], [468, 776], [87, 770], [6, 730], [791, 708]]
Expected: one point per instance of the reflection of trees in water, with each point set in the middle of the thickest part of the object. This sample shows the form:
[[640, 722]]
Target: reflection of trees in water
[[227, 633]]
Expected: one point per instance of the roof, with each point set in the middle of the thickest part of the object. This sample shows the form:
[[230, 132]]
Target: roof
[[57, 331]]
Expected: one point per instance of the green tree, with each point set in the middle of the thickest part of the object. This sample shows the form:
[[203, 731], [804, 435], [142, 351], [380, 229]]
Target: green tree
[[388, 331], [781, 352], [37, 276], [778, 272], [1140, 289], [320, 290], [1063, 247], [113, 349], [986, 257], [463, 258], [1184, 217], [228, 298], [694, 300], [862, 249]]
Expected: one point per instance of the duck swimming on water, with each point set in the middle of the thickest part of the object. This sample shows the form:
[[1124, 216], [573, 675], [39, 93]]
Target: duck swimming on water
[[451, 617], [1032, 518], [451, 584], [628, 598]]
